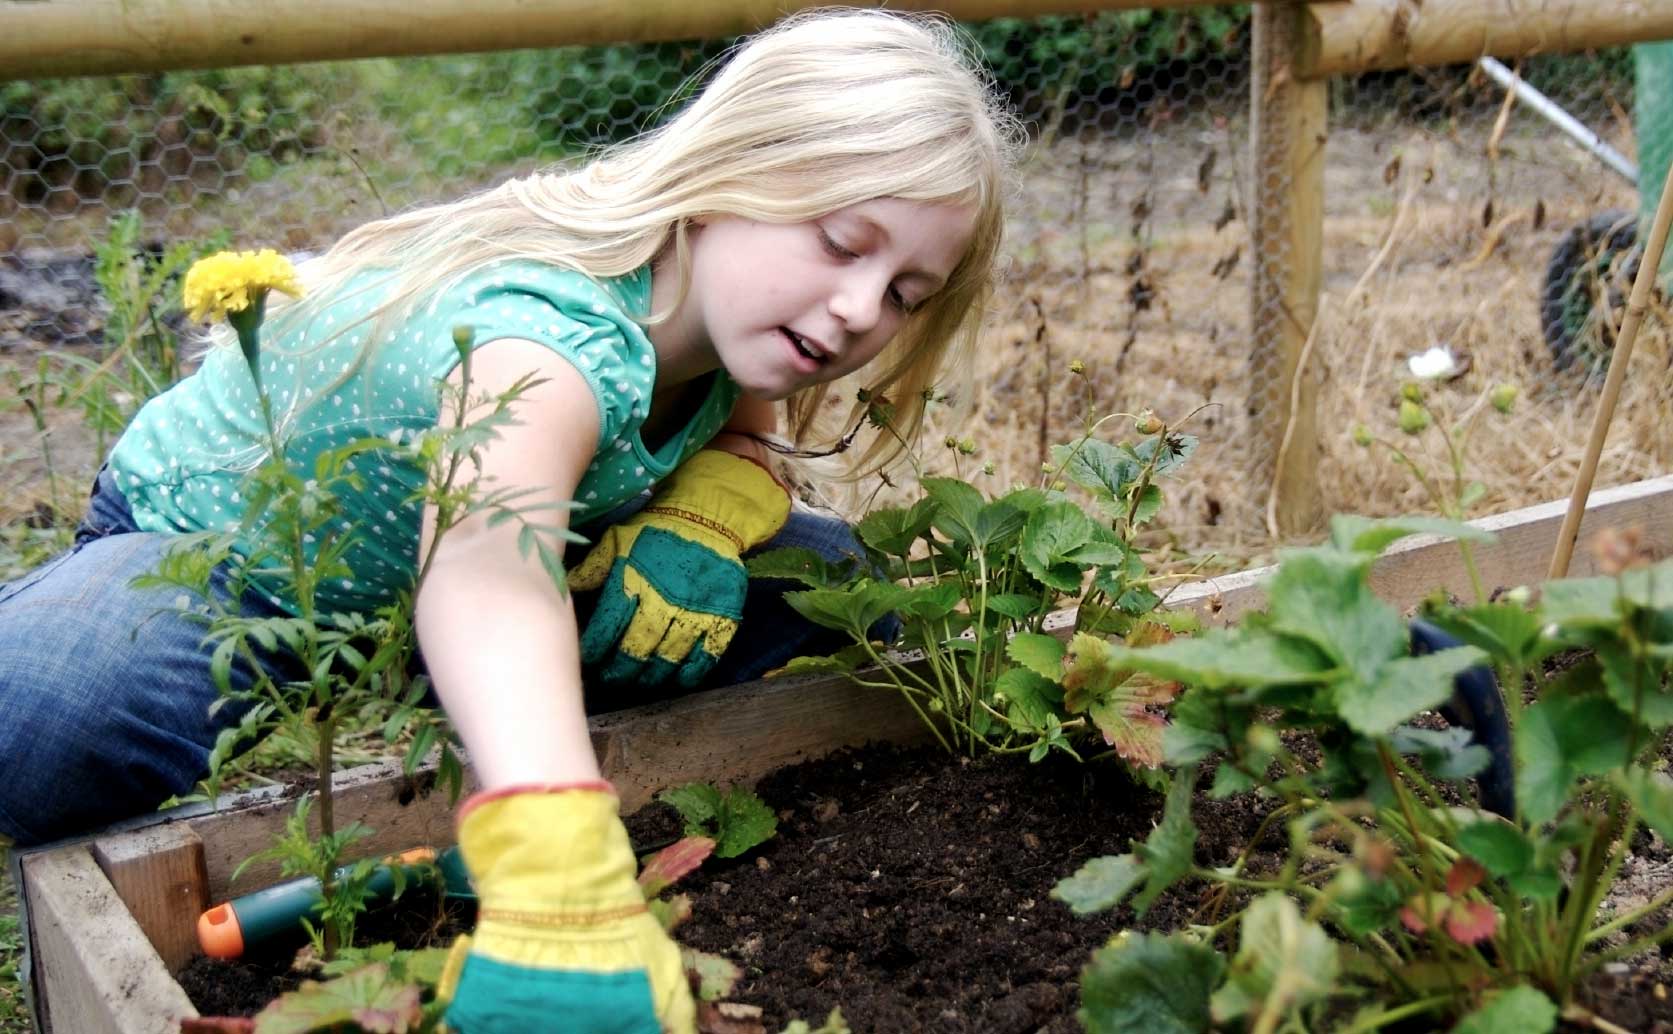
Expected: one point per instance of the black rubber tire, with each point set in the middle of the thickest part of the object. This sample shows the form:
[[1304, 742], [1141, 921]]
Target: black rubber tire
[[1597, 259], [1477, 705]]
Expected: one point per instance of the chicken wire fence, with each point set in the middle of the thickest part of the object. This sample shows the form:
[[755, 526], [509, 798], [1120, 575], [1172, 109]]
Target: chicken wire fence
[[1128, 242]]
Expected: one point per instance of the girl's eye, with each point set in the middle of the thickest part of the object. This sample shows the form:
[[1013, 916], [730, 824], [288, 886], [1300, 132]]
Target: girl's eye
[[837, 250], [899, 301]]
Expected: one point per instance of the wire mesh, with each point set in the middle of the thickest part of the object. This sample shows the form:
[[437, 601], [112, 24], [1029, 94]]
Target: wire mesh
[[1129, 244]]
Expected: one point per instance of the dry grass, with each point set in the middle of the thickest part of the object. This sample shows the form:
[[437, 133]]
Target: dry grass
[[1131, 255]]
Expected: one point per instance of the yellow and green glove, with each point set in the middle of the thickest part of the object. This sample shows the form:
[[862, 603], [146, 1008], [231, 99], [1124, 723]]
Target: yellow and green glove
[[672, 586], [563, 940]]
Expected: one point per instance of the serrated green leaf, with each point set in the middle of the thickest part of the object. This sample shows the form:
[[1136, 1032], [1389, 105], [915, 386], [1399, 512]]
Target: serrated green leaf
[[697, 803], [1558, 740], [930, 602], [1370, 906], [1149, 982], [893, 529], [1281, 955], [998, 523], [1168, 852], [1401, 688], [1323, 596], [1502, 848], [1040, 653], [842, 662], [1444, 753], [1221, 658], [1050, 535], [1098, 466], [1504, 629], [745, 822], [1520, 1010], [1652, 794], [799, 564], [1100, 884], [957, 507], [1030, 700], [368, 998], [1147, 505], [1366, 535], [1636, 684], [1014, 605]]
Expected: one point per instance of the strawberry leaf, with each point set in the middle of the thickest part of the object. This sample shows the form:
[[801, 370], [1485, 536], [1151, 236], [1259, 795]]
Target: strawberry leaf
[[367, 997], [1471, 922], [669, 865]]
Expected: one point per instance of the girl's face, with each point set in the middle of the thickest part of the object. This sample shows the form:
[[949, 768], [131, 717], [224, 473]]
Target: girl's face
[[785, 306]]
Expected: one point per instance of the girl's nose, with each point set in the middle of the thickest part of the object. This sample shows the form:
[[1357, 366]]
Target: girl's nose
[[857, 302]]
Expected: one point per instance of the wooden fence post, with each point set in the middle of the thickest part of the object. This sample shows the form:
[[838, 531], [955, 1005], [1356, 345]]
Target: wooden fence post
[[1286, 205]]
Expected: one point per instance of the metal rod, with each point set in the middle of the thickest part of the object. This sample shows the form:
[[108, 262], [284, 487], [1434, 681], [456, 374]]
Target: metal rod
[[1548, 108], [1618, 359]]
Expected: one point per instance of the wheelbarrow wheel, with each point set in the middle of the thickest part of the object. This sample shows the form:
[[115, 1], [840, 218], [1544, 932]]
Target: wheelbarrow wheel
[[1477, 705], [1587, 282]]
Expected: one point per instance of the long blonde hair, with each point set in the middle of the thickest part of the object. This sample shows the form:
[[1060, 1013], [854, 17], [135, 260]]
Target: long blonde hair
[[826, 109]]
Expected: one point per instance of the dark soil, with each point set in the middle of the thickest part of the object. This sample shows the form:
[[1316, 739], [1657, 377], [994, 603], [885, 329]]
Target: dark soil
[[913, 891], [906, 887]]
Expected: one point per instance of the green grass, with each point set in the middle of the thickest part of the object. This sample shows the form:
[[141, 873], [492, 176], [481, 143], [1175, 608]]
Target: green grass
[[14, 1015]]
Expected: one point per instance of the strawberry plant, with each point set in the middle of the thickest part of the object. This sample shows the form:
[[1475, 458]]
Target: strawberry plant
[[1392, 900], [974, 579]]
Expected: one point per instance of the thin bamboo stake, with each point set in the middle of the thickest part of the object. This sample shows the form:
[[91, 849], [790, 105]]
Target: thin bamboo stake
[[1648, 266]]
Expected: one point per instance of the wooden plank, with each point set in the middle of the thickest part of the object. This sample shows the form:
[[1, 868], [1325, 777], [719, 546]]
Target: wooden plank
[[401, 812], [1287, 138], [1345, 38], [159, 874], [740, 733], [94, 969], [1415, 567], [107, 37]]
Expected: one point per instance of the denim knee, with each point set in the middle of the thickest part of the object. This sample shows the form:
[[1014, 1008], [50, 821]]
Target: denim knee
[[106, 691]]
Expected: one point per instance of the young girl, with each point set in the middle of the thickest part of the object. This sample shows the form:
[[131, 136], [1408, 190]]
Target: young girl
[[831, 202]]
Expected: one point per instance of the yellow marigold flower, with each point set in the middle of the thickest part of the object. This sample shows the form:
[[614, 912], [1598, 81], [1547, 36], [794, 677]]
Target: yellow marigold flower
[[231, 281]]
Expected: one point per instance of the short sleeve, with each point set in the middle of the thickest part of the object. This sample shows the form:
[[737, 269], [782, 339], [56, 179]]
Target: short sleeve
[[562, 310]]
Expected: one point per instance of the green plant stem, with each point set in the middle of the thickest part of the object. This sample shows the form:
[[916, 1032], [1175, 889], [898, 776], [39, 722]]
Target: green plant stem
[[1626, 949], [327, 728], [1580, 1014], [1591, 883], [1625, 920], [1379, 1020]]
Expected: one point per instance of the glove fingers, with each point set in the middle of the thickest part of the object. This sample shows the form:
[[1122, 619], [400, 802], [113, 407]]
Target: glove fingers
[[697, 666], [611, 618], [599, 563]]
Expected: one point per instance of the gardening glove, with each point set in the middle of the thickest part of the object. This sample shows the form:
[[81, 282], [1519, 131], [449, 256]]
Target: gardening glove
[[563, 939], [673, 586]]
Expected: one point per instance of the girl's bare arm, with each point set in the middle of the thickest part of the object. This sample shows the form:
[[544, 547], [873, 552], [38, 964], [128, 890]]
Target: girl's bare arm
[[498, 636]]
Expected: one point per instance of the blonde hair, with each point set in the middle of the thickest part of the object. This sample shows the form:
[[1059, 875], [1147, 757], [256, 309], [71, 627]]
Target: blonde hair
[[826, 109]]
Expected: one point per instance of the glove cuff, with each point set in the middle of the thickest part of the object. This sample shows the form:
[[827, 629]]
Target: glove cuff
[[725, 492], [481, 797]]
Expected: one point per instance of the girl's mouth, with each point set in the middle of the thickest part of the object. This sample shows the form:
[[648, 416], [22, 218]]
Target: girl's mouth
[[799, 344]]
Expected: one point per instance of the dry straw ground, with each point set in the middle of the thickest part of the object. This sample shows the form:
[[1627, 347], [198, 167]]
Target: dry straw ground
[[1132, 255]]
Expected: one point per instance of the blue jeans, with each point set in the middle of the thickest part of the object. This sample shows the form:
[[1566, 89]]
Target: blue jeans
[[105, 691]]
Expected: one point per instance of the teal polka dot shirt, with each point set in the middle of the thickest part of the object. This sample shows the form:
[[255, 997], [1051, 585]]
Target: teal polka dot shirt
[[182, 464]]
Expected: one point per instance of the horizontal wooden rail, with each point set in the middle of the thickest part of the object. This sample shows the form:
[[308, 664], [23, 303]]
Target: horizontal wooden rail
[[1344, 38], [41, 39]]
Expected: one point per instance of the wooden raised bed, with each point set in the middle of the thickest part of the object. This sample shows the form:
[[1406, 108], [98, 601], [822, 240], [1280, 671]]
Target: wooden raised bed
[[109, 917]]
